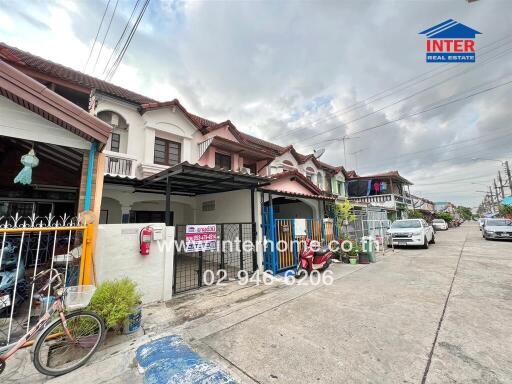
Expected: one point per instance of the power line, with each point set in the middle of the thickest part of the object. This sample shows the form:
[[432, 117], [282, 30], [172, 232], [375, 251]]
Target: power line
[[414, 81], [394, 103], [114, 51], [119, 58], [106, 34], [417, 113], [433, 149], [97, 34]]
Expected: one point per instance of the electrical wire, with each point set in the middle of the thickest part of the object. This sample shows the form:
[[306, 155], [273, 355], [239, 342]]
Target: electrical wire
[[435, 107], [414, 81], [119, 58], [395, 103], [115, 50], [105, 37], [96, 38]]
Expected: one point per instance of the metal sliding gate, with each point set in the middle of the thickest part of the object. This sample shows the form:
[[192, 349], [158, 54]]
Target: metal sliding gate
[[194, 270], [284, 242], [29, 245]]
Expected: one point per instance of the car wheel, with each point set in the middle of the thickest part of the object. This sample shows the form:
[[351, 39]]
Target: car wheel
[[425, 243]]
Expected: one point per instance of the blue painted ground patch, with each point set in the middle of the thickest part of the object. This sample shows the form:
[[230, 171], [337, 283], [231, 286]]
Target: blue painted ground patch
[[170, 360]]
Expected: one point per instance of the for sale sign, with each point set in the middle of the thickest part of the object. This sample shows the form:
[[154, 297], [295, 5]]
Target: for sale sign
[[201, 238]]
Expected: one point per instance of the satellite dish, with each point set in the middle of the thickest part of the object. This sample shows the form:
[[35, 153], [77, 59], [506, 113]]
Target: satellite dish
[[318, 152]]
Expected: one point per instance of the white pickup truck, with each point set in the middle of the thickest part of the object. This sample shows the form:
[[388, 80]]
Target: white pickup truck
[[411, 232]]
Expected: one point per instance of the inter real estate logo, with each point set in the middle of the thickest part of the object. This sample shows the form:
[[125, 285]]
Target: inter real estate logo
[[450, 42]]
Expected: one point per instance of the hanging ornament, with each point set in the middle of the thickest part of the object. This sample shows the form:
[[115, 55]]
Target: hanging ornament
[[29, 161]]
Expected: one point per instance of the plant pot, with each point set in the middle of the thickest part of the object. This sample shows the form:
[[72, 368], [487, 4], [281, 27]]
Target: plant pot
[[353, 261], [133, 322]]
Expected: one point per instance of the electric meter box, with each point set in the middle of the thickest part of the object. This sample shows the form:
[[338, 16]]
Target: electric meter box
[[158, 232]]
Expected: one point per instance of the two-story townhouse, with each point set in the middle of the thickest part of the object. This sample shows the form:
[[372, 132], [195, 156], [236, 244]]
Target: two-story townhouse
[[385, 190], [165, 164], [425, 206]]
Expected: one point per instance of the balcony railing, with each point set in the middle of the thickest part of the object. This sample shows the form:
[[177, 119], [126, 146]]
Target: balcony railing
[[119, 164], [388, 200]]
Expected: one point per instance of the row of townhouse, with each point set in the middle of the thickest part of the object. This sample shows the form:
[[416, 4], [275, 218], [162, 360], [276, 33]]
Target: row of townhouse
[[131, 159]]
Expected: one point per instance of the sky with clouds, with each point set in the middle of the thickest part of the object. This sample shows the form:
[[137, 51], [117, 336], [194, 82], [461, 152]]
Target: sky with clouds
[[308, 73]]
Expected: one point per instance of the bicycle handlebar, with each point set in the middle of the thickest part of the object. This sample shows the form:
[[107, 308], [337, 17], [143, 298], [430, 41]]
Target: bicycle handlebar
[[57, 276]]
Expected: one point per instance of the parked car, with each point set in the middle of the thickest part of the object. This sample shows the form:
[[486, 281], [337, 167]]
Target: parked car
[[440, 225], [411, 232], [497, 229]]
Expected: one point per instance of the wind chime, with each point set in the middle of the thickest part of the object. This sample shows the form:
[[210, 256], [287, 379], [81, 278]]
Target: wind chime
[[29, 161]]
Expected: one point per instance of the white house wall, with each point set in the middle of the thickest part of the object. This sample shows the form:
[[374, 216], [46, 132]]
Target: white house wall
[[21, 123], [230, 207]]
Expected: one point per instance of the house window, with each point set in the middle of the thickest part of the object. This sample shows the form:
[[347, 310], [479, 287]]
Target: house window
[[319, 180], [208, 206], [114, 142], [167, 152], [309, 173], [222, 161], [341, 187], [251, 167]]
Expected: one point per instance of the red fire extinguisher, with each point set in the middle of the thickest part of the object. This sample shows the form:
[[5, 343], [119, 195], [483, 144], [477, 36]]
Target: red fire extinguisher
[[145, 237]]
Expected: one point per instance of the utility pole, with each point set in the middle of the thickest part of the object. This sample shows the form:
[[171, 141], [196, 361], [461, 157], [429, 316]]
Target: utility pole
[[509, 176], [501, 185], [497, 193], [492, 199]]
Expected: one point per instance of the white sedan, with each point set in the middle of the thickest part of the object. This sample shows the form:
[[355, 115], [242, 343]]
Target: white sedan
[[440, 225], [411, 232]]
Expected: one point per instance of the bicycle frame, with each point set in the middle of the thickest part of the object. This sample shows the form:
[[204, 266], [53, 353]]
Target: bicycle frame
[[57, 306]]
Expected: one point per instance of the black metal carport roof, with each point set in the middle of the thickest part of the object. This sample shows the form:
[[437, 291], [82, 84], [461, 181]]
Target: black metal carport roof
[[192, 179]]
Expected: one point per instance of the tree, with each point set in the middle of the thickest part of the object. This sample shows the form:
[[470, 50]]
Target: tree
[[445, 216], [465, 212], [415, 214], [344, 213], [506, 210]]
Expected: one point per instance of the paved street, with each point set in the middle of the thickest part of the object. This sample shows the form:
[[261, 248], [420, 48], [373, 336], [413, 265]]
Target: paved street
[[437, 316]]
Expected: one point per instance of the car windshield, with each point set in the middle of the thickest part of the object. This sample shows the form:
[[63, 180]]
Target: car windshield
[[439, 221], [406, 224], [498, 223]]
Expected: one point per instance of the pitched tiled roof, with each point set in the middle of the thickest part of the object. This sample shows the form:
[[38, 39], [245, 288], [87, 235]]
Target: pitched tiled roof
[[302, 179], [22, 59], [39, 99]]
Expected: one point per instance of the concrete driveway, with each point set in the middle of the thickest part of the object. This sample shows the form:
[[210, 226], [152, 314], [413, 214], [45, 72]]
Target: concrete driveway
[[441, 315]]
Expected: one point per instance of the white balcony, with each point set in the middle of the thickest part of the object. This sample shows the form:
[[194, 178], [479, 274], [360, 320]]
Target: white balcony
[[389, 201], [120, 164]]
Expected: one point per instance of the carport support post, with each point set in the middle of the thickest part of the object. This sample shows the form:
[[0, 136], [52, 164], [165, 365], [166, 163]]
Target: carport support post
[[168, 201], [253, 232]]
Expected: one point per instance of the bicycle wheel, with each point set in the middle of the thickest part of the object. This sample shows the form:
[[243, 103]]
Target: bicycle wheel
[[56, 354]]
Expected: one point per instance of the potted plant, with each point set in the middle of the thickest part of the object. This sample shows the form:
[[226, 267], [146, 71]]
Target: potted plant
[[353, 253], [118, 302]]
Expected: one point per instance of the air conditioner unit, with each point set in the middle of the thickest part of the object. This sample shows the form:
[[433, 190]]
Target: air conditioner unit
[[245, 170]]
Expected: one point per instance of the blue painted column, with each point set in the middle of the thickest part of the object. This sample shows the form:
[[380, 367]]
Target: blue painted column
[[88, 181]]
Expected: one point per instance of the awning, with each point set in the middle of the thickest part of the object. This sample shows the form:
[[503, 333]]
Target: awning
[[192, 179], [507, 200]]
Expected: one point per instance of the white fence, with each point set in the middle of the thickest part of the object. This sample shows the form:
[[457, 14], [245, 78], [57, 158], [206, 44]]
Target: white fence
[[29, 245]]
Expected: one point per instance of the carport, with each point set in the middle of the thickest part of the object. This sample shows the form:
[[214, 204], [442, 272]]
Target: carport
[[194, 181]]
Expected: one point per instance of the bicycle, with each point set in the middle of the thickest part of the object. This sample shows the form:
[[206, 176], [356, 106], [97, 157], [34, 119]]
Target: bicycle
[[67, 342]]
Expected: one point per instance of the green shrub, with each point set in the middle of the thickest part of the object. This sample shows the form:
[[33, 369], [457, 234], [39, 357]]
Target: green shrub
[[445, 216], [115, 300]]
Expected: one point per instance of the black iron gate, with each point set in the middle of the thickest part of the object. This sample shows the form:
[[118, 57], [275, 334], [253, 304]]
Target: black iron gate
[[197, 269]]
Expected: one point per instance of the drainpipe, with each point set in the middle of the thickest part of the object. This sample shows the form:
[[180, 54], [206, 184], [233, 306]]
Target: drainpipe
[[88, 182]]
